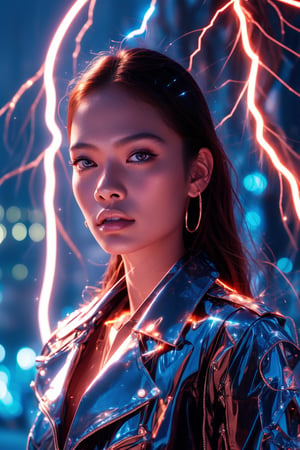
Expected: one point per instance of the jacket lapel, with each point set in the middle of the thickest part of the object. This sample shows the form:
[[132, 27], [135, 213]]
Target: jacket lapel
[[61, 354], [124, 384], [122, 387], [173, 306]]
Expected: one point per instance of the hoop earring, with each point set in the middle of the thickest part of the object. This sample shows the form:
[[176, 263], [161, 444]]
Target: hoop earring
[[187, 215]]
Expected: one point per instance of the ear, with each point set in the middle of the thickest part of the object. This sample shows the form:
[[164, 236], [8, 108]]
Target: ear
[[200, 172]]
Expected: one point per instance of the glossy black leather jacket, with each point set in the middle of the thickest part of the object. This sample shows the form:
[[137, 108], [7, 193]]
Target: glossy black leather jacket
[[202, 369]]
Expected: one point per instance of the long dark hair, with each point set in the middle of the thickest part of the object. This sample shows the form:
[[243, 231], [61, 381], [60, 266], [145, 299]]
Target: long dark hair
[[166, 85]]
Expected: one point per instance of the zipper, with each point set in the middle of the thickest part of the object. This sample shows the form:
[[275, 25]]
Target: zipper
[[51, 422], [204, 409], [222, 432], [129, 441], [41, 400], [113, 421]]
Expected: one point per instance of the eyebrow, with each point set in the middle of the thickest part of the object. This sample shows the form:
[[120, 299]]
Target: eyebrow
[[138, 136], [82, 146], [122, 141]]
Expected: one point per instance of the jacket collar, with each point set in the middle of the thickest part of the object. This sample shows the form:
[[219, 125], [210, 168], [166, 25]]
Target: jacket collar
[[103, 403], [175, 298], [166, 311]]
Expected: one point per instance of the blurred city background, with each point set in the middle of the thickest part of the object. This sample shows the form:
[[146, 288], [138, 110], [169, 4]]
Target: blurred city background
[[222, 69]]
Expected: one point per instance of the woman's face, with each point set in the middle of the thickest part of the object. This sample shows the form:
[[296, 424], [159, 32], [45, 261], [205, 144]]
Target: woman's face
[[128, 173]]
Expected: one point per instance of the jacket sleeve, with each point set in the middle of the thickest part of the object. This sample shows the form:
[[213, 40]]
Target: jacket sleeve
[[259, 386]]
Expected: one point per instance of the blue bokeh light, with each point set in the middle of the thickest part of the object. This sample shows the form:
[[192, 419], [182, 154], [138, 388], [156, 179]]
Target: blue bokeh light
[[253, 220], [26, 358], [10, 406], [285, 265], [66, 311], [3, 389], [4, 373], [2, 351], [255, 182]]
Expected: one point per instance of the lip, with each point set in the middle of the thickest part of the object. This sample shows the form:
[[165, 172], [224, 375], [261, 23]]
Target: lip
[[113, 220]]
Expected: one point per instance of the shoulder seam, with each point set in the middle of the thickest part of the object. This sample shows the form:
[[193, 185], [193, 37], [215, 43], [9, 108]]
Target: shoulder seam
[[240, 300]]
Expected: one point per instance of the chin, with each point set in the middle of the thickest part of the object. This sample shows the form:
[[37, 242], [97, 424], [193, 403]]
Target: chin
[[115, 248]]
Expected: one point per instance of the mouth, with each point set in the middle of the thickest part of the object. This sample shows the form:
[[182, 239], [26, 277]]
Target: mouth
[[115, 224], [113, 221]]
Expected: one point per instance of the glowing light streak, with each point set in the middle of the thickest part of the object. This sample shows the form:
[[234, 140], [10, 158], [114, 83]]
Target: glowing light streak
[[49, 159], [23, 168], [230, 53], [254, 59], [82, 32], [30, 117], [23, 88], [283, 142], [229, 82], [285, 47], [11, 105], [205, 29], [225, 286], [286, 85], [282, 274], [255, 62], [229, 115], [69, 242], [50, 153], [284, 218], [143, 27], [278, 12], [290, 2], [119, 320]]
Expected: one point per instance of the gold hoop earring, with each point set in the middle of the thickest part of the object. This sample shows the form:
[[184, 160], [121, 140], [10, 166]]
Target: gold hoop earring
[[187, 215]]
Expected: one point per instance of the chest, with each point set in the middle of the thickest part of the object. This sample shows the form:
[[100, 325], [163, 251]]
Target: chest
[[147, 389]]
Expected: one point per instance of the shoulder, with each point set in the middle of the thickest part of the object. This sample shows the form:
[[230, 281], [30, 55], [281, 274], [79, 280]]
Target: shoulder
[[260, 344], [255, 370], [240, 315]]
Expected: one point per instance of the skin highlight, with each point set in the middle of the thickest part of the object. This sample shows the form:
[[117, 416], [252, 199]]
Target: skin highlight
[[128, 168], [164, 84]]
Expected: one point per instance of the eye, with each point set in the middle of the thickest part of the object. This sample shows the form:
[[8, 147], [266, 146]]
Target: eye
[[82, 163], [141, 156]]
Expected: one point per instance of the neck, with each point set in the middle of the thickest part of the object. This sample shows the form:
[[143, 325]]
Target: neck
[[144, 272]]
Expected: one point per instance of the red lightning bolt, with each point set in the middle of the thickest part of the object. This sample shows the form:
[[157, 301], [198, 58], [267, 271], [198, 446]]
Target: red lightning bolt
[[49, 154], [251, 87], [255, 61], [49, 158]]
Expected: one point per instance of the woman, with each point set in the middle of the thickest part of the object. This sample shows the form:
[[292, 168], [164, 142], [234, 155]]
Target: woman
[[164, 356]]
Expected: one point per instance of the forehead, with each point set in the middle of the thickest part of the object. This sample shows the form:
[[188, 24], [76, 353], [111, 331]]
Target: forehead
[[116, 110]]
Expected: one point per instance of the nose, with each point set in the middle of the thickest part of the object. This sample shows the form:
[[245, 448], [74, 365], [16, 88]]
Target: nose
[[109, 186]]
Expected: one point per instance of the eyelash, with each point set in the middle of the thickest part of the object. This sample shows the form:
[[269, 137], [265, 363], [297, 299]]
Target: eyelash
[[150, 156], [78, 160]]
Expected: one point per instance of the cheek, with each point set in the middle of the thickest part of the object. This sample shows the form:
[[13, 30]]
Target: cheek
[[82, 192], [76, 188], [164, 194], [176, 191]]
